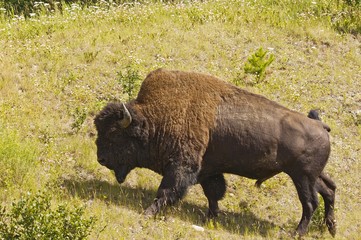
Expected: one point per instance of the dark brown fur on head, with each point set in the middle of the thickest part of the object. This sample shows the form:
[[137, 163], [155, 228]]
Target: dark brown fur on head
[[108, 120], [110, 114], [119, 148]]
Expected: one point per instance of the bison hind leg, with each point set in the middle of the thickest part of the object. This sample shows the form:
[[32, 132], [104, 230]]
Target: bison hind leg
[[326, 187], [307, 194], [214, 187]]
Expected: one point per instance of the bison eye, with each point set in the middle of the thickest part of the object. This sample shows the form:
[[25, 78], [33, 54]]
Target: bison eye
[[112, 132]]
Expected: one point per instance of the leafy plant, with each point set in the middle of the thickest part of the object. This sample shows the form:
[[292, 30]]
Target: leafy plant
[[27, 7], [356, 117], [352, 2], [130, 81], [348, 20], [90, 56], [79, 116], [32, 217], [257, 63]]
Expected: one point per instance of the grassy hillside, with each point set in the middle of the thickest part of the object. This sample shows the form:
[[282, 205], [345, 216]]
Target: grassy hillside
[[58, 70]]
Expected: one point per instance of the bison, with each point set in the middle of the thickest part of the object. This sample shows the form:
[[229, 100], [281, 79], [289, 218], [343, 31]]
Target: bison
[[192, 128]]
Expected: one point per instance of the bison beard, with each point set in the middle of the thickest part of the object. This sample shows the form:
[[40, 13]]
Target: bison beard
[[191, 128]]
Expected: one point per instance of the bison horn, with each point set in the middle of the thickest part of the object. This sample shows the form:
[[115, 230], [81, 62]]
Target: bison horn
[[127, 118]]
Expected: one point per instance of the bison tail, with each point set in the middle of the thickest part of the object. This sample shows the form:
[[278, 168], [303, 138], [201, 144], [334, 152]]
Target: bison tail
[[313, 114], [261, 180]]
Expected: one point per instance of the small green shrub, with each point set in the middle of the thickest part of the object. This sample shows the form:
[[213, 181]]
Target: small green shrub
[[79, 116], [257, 63], [197, 15], [32, 217], [130, 81], [348, 17], [356, 117], [27, 7], [90, 56], [352, 2]]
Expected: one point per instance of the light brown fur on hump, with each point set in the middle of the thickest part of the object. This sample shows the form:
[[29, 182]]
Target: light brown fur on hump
[[183, 106]]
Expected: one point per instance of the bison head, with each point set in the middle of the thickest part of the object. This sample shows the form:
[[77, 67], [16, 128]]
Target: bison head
[[121, 139]]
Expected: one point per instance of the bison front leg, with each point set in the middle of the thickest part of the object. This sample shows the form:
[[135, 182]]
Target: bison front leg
[[173, 186], [214, 188]]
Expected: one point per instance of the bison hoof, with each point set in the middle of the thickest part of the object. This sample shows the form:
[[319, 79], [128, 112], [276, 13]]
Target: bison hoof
[[212, 214], [298, 233], [152, 210], [331, 225]]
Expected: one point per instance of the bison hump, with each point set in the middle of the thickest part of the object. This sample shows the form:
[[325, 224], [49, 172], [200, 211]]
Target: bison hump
[[183, 105]]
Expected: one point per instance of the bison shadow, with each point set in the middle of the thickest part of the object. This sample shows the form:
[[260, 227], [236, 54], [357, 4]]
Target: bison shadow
[[137, 199]]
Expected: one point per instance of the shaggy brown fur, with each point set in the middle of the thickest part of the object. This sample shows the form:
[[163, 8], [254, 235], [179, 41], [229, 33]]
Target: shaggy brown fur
[[190, 101]]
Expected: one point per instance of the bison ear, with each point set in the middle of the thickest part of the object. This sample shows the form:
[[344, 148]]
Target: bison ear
[[127, 118]]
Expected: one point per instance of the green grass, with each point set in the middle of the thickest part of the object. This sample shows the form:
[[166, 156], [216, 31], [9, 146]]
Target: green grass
[[58, 70], [18, 159]]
